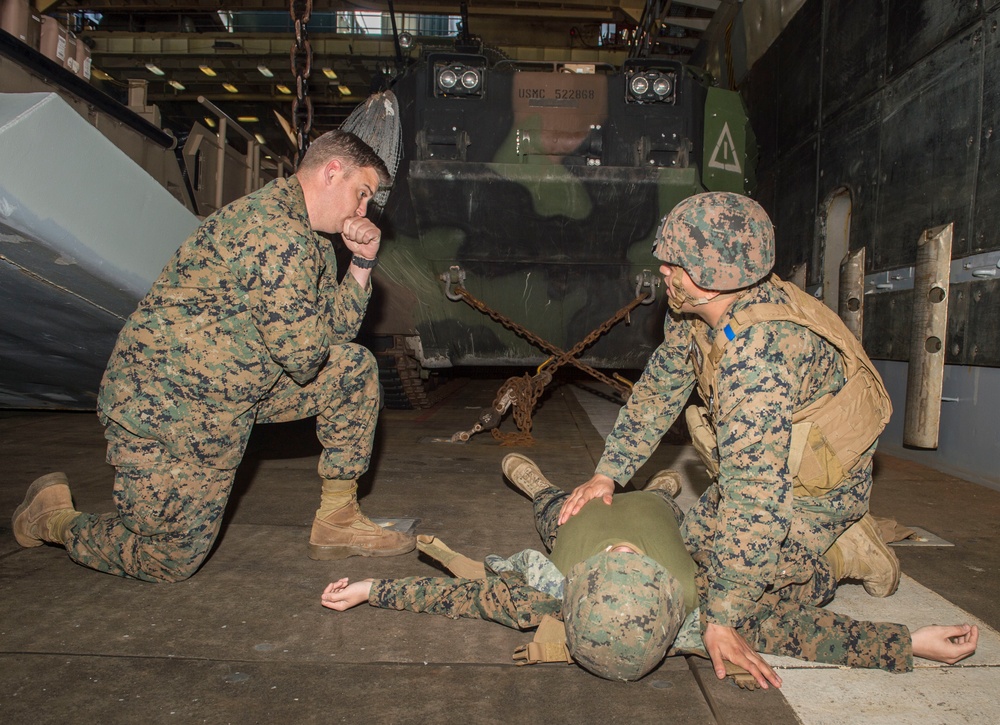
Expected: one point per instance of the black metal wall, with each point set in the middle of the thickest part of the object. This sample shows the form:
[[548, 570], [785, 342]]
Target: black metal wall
[[898, 101]]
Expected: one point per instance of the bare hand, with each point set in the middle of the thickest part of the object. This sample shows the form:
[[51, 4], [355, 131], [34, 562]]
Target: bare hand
[[945, 643], [361, 236], [342, 594], [598, 486], [725, 644]]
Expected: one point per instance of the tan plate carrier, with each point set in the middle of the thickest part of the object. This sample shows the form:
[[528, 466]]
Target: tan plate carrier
[[829, 435]]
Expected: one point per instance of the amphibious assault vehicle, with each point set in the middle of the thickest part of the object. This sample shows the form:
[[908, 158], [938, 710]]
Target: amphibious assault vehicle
[[537, 188]]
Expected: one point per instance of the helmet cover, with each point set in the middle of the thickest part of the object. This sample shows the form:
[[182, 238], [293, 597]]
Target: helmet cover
[[724, 241], [622, 612]]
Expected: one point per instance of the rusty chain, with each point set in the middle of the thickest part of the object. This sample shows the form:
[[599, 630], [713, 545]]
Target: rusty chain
[[561, 357], [523, 392], [300, 57]]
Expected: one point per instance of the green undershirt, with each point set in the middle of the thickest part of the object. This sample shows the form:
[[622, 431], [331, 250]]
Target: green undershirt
[[640, 518]]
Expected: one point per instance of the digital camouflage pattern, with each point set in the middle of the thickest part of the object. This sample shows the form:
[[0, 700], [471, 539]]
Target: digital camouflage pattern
[[758, 548], [537, 569], [747, 529], [246, 323], [622, 612], [249, 298], [504, 598], [814, 634], [724, 241], [792, 628]]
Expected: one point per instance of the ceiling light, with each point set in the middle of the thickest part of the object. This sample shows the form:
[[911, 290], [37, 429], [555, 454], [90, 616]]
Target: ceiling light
[[260, 139], [265, 71], [209, 121], [154, 69], [247, 119], [328, 72], [207, 70], [230, 87], [284, 89], [344, 90], [175, 84]]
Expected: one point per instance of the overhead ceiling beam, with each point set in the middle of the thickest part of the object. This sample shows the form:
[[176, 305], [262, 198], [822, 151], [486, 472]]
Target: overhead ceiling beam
[[601, 10]]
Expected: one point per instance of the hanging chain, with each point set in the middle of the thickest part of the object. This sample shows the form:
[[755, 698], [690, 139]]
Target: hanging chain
[[522, 394], [300, 57]]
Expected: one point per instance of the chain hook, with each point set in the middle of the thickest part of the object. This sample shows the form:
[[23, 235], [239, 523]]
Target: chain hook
[[645, 280], [454, 277]]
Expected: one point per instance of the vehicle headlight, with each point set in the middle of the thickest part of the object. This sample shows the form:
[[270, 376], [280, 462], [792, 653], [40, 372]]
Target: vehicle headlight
[[470, 79], [457, 78], [447, 79], [662, 86], [651, 85], [639, 85]]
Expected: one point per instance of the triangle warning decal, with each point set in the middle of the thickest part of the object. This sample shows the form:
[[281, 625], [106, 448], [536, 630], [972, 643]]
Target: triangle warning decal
[[724, 157]]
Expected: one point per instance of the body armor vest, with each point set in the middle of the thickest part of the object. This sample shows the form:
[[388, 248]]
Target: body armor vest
[[829, 435]]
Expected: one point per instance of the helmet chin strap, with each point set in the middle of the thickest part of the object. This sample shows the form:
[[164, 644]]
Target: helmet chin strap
[[681, 296]]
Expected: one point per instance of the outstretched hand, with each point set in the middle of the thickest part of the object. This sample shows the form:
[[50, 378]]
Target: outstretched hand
[[598, 486], [343, 594], [725, 644], [945, 643]]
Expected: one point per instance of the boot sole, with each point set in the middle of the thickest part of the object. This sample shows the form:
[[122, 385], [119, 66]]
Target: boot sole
[[335, 553], [513, 462], [37, 486]]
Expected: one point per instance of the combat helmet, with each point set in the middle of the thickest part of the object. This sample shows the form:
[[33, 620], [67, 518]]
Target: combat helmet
[[724, 241], [622, 612]]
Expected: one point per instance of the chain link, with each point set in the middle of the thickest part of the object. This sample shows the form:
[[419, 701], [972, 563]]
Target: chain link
[[561, 357], [523, 392], [300, 58]]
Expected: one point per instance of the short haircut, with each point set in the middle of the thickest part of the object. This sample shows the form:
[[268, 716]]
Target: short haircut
[[347, 147]]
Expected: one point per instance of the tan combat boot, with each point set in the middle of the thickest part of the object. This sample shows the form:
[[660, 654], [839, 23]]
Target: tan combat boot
[[45, 513], [348, 532], [524, 474], [665, 480], [860, 553], [458, 564]]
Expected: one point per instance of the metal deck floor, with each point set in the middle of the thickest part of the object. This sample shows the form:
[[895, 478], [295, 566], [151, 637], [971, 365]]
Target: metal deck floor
[[246, 640]]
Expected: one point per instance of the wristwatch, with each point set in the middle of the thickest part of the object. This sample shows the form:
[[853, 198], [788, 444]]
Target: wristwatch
[[358, 261]]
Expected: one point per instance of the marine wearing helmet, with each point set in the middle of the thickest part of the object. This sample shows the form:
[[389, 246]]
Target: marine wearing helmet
[[622, 611], [724, 241]]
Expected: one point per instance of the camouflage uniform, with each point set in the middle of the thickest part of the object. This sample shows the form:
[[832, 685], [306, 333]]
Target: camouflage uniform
[[517, 591], [247, 323], [758, 547], [527, 586]]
